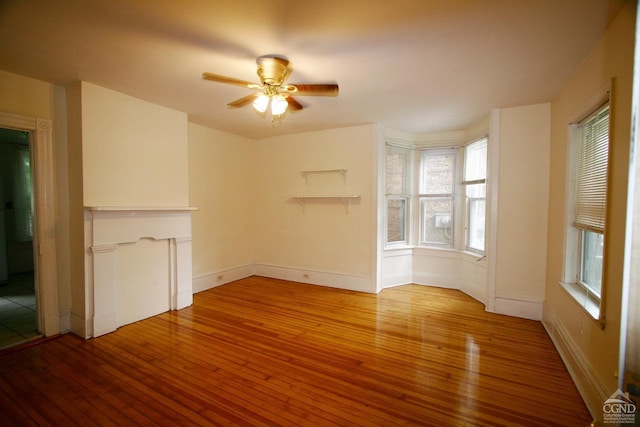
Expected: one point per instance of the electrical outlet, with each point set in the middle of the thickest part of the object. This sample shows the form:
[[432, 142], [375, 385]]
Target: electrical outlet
[[219, 277], [305, 276]]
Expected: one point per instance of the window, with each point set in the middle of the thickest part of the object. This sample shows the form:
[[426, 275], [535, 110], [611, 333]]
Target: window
[[591, 197], [436, 190], [474, 180], [591, 255], [397, 192], [585, 236]]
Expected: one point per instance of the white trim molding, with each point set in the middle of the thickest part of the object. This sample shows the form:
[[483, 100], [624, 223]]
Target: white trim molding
[[211, 280], [524, 307], [493, 192], [44, 241]]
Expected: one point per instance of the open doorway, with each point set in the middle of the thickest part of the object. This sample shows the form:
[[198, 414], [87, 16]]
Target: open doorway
[[18, 302]]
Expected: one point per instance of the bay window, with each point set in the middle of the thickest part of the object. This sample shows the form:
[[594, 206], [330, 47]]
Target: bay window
[[449, 186]]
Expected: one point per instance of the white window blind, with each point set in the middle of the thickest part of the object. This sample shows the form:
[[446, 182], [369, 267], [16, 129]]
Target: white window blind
[[475, 162], [592, 162]]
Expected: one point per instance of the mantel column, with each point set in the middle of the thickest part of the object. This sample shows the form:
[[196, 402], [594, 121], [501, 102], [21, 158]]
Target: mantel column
[[105, 314], [183, 273]]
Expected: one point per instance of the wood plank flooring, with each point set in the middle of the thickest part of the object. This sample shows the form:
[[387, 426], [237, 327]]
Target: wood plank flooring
[[266, 352]]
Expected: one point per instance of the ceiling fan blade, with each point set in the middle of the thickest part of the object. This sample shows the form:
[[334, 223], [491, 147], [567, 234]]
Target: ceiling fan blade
[[293, 104], [229, 80], [316, 89], [245, 100]]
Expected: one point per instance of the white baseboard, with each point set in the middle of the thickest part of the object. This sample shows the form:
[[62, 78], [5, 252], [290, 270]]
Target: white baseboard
[[592, 390], [314, 277], [317, 277], [518, 307], [217, 278], [436, 280], [393, 280], [65, 321], [476, 292], [80, 326]]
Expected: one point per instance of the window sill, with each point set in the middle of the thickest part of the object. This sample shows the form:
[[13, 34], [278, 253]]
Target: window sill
[[474, 255], [397, 246], [409, 250], [399, 250], [589, 303], [436, 249]]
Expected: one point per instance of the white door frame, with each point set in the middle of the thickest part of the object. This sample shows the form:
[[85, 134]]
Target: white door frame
[[44, 239]]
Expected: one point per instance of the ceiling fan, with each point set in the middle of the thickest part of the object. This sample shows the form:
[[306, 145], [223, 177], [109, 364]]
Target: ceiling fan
[[274, 94]]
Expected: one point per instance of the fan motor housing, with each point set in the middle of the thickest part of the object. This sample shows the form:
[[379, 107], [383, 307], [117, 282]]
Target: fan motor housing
[[273, 71]]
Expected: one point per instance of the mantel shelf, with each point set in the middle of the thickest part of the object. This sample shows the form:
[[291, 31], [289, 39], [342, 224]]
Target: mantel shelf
[[344, 199]]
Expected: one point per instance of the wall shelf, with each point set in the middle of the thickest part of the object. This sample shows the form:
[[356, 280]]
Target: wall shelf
[[342, 172], [344, 199], [140, 208]]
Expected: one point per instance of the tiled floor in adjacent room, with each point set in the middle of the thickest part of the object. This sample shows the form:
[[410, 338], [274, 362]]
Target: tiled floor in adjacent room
[[18, 316]]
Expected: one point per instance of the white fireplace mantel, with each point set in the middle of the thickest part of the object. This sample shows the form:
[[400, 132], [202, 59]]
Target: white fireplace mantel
[[110, 227]]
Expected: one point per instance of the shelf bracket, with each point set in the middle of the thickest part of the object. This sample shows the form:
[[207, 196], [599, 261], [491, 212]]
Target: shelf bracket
[[300, 201], [345, 202]]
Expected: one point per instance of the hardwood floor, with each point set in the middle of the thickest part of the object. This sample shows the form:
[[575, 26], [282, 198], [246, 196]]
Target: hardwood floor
[[265, 352]]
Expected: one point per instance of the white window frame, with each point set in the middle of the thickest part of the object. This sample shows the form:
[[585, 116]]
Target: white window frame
[[467, 181], [406, 197], [426, 196], [589, 299]]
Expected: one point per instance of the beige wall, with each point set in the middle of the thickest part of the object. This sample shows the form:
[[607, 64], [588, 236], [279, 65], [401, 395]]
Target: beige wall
[[134, 153], [63, 224], [34, 98], [247, 222], [523, 186], [592, 352], [26, 96], [76, 203], [324, 238], [477, 129], [222, 186]]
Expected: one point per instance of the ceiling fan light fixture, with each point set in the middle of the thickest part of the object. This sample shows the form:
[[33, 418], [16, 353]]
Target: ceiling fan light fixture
[[274, 97], [261, 103], [278, 105]]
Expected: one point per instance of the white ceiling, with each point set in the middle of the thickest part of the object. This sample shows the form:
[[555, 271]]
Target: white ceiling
[[417, 66]]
